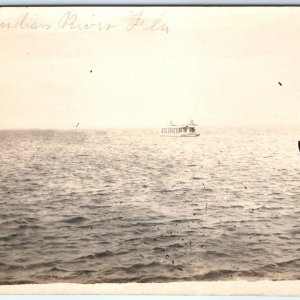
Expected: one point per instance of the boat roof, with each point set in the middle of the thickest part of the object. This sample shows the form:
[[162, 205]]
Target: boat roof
[[191, 124]]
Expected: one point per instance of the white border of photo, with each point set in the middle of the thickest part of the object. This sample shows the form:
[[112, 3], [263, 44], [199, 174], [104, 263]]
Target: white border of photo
[[149, 2], [240, 289]]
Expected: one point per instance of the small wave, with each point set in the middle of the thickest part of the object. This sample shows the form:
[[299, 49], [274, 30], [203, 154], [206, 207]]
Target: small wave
[[295, 232], [176, 245], [142, 224], [28, 226], [271, 208], [27, 220], [106, 253], [179, 221], [237, 206], [8, 237], [84, 272], [169, 165], [216, 253], [26, 179], [165, 191], [56, 269], [294, 262], [50, 237], [40, 265], [75, 220], [140, 266], [13, 282], [158, 278], [216, 275], [103, 254], [273, 268], [101, 194], [160, 249], [90, 206], [14, 268]]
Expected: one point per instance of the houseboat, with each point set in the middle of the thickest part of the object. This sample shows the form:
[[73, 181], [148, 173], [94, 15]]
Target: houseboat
[[185, 130]]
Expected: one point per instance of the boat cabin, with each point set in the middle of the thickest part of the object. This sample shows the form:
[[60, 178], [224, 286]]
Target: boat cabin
[[185, 130]]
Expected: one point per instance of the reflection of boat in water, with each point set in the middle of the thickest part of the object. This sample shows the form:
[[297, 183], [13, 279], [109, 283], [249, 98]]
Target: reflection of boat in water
[[185, 130]]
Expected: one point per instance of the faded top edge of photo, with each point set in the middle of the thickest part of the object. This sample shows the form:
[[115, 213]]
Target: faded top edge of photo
[[150, 2]]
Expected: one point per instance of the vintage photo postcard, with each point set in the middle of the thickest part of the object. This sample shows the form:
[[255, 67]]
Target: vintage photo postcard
[[150, 150]]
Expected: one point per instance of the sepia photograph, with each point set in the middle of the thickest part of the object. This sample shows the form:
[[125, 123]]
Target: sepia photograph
[[150, 145]]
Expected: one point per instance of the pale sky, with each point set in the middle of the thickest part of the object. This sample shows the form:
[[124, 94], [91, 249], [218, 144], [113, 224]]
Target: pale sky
[[218, 66]]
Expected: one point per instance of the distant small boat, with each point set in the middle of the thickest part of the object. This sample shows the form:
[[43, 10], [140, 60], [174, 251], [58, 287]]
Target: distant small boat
[[185, 130]]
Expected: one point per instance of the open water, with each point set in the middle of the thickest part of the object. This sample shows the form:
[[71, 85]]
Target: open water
[[128, 205]]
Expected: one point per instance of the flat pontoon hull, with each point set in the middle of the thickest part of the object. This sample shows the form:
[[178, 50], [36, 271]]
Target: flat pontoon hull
[[181, 135]]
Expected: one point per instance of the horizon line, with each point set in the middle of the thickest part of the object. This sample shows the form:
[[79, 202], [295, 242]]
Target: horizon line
[[147, 127]]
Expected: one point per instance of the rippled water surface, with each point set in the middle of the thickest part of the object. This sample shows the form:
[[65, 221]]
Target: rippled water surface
[[129, 205]]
